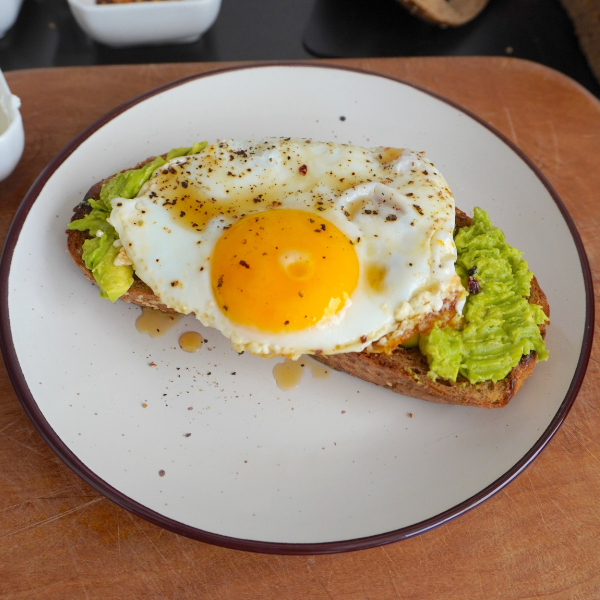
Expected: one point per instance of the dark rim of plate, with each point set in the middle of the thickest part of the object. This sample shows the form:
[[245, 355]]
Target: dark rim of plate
[[60, 448]]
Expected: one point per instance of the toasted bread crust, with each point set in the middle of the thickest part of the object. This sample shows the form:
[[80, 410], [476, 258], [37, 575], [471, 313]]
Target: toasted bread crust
[[403, 371]]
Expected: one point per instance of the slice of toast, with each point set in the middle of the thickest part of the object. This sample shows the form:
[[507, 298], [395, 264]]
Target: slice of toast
[[402, 371]]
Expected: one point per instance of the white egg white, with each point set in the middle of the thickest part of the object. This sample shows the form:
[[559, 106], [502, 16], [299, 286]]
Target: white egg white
[[394, 205]]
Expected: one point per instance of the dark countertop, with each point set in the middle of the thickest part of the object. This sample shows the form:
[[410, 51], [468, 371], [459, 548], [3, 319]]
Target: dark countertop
[[46, 35]]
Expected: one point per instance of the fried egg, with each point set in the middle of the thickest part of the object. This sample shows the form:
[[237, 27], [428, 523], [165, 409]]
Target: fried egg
[[290, 246]]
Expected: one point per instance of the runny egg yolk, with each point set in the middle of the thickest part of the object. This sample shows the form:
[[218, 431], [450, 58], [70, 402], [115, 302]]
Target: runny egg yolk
[[283, 270]]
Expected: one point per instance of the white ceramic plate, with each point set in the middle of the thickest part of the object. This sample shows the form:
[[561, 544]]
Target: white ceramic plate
[[337, 463]]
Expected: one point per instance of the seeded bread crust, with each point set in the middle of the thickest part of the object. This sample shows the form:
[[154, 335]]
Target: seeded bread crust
[[403, 371]]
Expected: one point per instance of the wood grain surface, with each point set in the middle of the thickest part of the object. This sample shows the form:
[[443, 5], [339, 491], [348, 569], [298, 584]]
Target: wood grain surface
[[538, 538]]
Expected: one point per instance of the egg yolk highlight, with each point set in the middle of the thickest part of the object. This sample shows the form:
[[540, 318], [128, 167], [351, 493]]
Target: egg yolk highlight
[[283, 270]]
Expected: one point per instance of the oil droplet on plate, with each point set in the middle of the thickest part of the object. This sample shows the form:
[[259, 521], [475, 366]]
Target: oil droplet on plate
[[155, 323], [288, 374], [190, 341], [318, 370]]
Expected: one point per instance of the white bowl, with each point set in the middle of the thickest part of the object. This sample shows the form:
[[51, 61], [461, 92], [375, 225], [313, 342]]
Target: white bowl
[[12, 136], [145, 23], [9, 10]]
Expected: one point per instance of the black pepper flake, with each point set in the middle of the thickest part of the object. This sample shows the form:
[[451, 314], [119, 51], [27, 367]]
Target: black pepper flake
[[418, 209], [225, 308], [220, 281], [184, 184], [119, 204], [473, 286], [174, 283], [323, 226], [302, 169], [425, 173], [410, 194], [391, 218], [187, 435], [472, 271], [368, 212], [342, 118], [182, 214], [161, 473], [231, 157], [287, 323], [244, 264]]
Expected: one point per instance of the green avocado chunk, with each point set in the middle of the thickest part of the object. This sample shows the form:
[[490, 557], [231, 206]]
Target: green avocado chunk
[[100, 251], [99, 255], [501, 326]]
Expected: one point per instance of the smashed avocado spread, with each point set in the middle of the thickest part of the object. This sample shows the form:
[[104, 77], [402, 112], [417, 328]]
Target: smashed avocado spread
[[500, 325], [101, 250]]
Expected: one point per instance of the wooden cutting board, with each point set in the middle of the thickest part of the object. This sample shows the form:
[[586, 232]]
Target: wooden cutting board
[[539, 537]]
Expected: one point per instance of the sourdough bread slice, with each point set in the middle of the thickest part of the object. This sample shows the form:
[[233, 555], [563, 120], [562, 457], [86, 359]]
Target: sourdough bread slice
[[403, 371]]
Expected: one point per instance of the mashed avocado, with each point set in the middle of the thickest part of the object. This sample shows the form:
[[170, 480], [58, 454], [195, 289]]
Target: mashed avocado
[[500, 326], [100, 251]]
